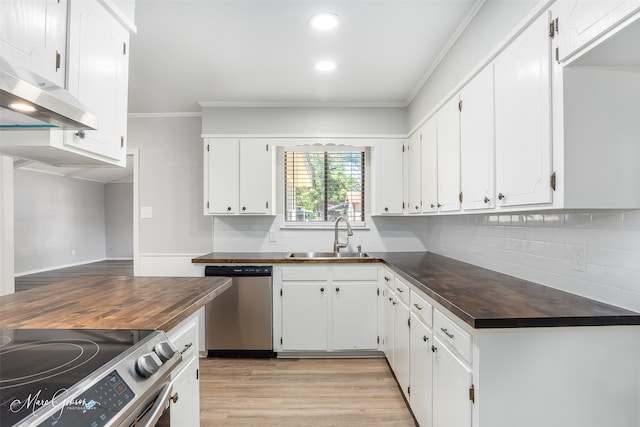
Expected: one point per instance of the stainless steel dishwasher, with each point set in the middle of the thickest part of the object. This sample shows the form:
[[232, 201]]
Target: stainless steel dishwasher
[[239, 321]]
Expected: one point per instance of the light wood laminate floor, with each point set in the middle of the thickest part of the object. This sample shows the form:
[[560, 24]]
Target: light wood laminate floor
[[300, 392], [100, 268]]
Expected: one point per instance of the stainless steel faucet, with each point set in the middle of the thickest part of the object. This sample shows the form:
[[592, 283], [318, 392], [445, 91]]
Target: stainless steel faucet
[[337, 245]]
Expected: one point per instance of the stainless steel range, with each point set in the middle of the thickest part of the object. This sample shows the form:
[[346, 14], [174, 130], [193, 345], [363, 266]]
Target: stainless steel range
[[91, 378]]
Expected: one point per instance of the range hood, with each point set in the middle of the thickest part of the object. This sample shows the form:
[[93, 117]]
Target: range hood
[[28, 101]]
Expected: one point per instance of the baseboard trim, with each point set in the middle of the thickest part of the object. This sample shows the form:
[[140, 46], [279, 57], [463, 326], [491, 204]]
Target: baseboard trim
[[57, 267]]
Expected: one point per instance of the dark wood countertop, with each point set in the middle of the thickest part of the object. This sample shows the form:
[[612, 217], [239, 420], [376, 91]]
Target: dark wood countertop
[[110, 302], [480, 297]]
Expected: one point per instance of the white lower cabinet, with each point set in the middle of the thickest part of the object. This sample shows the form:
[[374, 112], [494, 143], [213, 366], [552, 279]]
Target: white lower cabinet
[[452, 381], [401, 345], [185, 411], [304, 316], [329, 308], [420, 362]]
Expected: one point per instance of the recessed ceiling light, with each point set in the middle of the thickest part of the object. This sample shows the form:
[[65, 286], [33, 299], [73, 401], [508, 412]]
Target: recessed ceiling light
[[324, 21], [325, 66], [25, 108]]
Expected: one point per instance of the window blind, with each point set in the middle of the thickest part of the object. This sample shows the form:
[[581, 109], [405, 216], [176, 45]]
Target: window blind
[[323, 185]]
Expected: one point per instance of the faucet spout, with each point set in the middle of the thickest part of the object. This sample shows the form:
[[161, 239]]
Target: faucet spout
[[336, 244]]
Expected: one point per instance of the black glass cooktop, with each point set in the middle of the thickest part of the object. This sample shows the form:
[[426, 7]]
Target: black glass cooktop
[[38, 365]]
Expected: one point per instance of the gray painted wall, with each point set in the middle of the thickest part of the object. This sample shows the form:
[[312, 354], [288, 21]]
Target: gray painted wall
[[170, 182], [56, 217], [118, 220], [304, 120]]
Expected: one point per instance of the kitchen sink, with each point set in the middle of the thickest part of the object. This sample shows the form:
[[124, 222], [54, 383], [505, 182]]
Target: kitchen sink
[[327, 255]]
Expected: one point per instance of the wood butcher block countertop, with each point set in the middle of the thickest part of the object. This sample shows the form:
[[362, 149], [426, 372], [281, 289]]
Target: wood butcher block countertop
[[110, 302], [480, 297]]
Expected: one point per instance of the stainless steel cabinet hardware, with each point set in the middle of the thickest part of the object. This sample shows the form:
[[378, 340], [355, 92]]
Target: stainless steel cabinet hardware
[[446, 332]]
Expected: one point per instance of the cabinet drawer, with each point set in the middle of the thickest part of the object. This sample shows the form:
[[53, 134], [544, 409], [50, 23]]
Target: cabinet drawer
[[421, 308], [306, 273], [454, 336], [355, 273], [402, 290], [184, 339], [387, 277]]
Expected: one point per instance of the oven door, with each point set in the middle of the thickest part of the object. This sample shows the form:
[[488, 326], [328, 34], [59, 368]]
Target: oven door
[[157, 411]]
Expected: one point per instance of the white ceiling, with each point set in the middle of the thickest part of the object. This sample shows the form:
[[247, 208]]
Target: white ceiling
[[263, 51]]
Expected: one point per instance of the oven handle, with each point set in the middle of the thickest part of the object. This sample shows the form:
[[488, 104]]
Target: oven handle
[[159, 406]]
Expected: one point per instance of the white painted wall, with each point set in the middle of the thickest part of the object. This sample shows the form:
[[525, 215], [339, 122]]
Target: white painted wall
[[56, 217], [118, 220]]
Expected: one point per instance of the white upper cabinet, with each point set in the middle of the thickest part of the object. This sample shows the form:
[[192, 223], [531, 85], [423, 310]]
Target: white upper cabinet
[[429, 149], [256, 178], [414, 174], [448, 119], [523, 118], [580, 23], [238, 177], [388, 185], [33, 33], [477, 144], [98, 77]]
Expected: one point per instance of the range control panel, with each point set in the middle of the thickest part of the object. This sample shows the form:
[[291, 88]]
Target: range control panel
[[96, 406]]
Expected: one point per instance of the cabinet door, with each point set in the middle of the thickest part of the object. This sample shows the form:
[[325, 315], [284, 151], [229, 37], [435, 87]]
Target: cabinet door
[[33, 34], [582, 22], [420, 359], [451, 383], [415, 174], [98, 76], [401, 345], [389, 184], [523, 111], [430, 166], [186, 410], [304, 316], [477, 148], [448, 119], [355, 316], [222, 184], [255, 178], [389, 315]]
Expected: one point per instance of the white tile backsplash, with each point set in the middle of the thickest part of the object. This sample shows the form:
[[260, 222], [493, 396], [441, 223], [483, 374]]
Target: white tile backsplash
[[538, 247]]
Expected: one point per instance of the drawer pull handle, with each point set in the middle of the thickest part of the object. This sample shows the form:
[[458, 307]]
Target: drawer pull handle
[[434, 348], [186, 347], [446, 332], [425, 339], [386, 279], [417, 306], [399, 290], [175, 397]]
